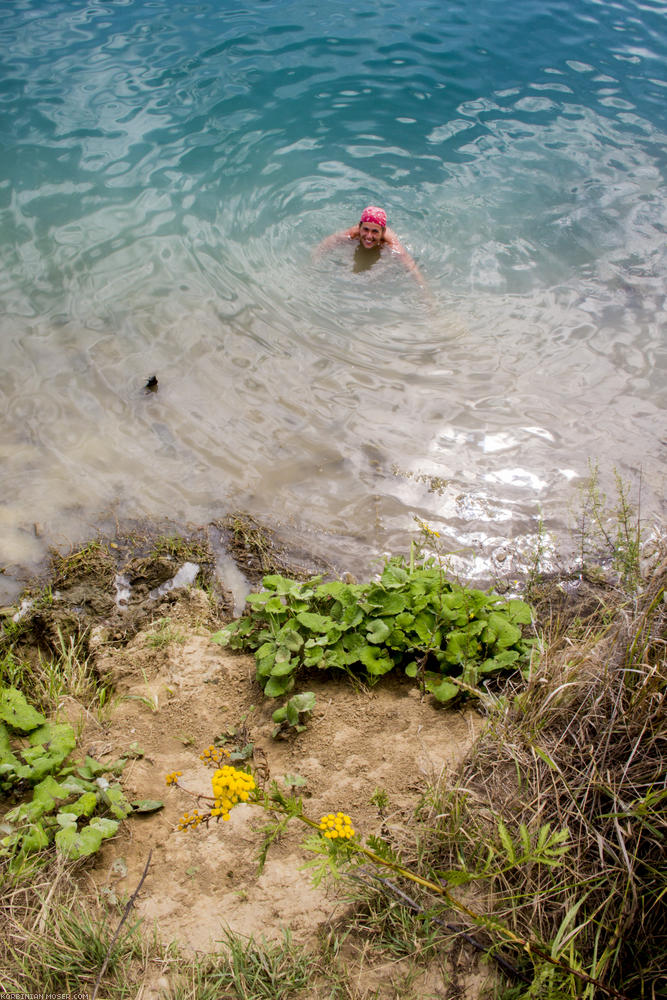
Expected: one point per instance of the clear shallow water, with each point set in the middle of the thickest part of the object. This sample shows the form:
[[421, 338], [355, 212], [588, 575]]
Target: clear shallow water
[[167, 170]]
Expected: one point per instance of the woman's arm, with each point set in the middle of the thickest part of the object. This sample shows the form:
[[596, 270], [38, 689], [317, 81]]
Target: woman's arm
[[395, 245], [337, 238]]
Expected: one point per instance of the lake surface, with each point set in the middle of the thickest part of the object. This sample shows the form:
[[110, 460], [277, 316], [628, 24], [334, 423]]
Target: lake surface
[[167, 170]]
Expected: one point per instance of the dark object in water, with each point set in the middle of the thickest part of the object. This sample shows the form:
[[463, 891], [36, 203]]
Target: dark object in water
[[151, 383]]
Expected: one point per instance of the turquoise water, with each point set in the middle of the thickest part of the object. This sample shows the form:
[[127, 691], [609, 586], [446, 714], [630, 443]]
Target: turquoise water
[[167, 171]]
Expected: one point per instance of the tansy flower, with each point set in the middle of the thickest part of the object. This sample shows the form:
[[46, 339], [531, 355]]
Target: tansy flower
[[213, 754], [229, 787], [190, 819], [337, 827], [172, 778]]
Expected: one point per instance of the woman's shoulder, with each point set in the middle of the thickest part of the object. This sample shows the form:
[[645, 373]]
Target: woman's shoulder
[[391, 239]]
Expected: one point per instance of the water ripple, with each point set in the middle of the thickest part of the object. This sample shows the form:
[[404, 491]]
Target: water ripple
[[168, 170]]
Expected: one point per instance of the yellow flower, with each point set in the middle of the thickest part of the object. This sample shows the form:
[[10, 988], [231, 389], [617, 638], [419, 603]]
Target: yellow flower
[[213, 754], [337, 827], [229, 787], [172, 778]]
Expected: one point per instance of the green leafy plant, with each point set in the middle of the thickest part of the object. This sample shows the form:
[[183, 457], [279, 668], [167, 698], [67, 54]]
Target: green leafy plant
[[449, 637], [77, 807], [294, 714]]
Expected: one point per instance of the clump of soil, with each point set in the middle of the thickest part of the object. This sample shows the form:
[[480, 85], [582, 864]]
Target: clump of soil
[[110, 588], [256, 550]]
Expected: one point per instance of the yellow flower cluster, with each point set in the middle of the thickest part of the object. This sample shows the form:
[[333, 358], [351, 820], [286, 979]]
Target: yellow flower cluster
[[190, 820], [229, 787], [172, 778], [337, 827], [213, 754]]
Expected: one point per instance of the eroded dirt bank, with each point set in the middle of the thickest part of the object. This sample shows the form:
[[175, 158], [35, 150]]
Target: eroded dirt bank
[[169, 692], [174, 701]]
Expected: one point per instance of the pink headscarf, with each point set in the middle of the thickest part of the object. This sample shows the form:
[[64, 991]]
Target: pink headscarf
[[376, 215]]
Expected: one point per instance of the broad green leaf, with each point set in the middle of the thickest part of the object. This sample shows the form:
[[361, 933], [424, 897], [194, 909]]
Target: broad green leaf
[[116, 802], [65, 819], [397, 639], [377, 630], [313, 656], [48, 792], [264, 666], [290, 639], [460, 647], [17, 713], [304, 702], [277, 583], [275, 606], [520, 612], [50, 745], [147, 805], [6, 755], [34, 839], [282, 668], [78, 845], [506, 658], [336, 589], [84, 806], [276, 686], [375, 661], [394, 575], [387, 602], [222, 638], [258, 600], [337, 657], [351, 617], [411, 669], [107, 827], [352, 642], [425, 625], [506, 633], [441, 689], [292, 713], [314, 622]]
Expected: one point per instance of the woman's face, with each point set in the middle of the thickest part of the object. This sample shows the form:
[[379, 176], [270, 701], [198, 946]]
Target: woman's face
[[370, 234]]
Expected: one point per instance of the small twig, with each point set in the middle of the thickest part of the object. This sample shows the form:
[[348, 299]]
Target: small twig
[[126, 912]]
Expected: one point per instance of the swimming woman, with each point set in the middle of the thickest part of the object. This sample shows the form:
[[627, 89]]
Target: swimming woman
[[372, 235]]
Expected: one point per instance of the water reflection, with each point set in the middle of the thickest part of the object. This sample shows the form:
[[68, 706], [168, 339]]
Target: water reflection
[[167, 177]]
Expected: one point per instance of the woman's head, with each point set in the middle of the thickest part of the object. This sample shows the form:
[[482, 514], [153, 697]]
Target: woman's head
[[372, 225]]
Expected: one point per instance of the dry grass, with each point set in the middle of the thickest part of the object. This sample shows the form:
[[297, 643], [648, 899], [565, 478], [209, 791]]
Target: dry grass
[[583, 749], [53, 940]]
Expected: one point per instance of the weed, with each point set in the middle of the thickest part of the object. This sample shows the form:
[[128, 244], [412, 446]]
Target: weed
[[74, 807], [247, 968], [51, 943], [294, 714], [93, 559], [610, 532], [450, 638], [164, 635], [380, 799], [181, 549], [582, 750]]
